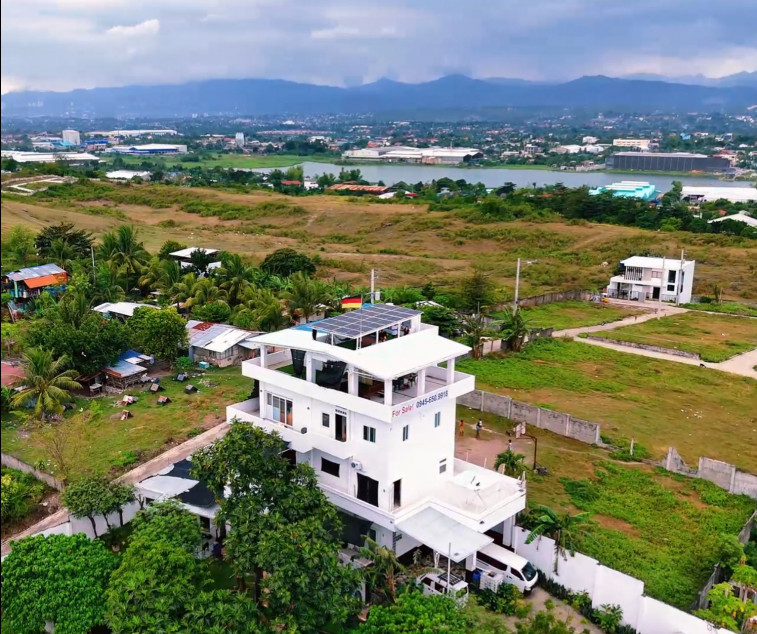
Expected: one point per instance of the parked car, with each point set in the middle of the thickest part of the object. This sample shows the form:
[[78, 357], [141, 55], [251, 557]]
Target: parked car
[[498, 565], [437, 582]]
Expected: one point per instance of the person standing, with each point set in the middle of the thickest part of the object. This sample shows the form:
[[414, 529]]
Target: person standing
[[461, 427], [479, 427]]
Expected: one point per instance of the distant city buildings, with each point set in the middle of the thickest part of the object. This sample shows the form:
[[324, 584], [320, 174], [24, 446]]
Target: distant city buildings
[[148, 148], [135, 133], [48, 157], [710, 194], [666, 161], [239, 139]]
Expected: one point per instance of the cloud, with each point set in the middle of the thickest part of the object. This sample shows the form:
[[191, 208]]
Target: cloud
[[148, 27], [65, 44]]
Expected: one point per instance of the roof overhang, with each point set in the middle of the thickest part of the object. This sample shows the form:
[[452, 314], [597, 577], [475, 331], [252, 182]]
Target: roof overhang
[[443, 534]]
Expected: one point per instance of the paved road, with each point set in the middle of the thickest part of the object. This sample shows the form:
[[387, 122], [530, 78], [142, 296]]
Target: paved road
[[655, 312], [151, 467]]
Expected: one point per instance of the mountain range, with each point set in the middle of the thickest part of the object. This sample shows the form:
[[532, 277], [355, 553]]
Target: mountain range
[[458, 92]]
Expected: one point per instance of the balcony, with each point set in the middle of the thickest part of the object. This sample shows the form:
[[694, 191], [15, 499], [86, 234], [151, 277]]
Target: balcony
[[298, 436]]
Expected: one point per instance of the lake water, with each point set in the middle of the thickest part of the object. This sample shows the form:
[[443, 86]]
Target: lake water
[[494, 177]]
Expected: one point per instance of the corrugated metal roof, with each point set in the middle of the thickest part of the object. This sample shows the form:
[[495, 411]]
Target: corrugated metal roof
[[215, 337], [34, 272], [124, 368], [46, 280]]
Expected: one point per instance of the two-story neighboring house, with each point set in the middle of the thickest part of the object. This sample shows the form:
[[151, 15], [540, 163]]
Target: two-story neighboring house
[[27, 284], [647, 278], [368, 400]]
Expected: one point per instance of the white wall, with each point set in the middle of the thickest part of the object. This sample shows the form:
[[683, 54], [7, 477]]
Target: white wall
[[605, 585]]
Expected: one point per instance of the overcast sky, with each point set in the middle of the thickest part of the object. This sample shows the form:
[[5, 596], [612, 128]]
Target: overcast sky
[[65, 44]]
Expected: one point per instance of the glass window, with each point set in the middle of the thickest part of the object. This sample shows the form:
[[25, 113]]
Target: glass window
[[405, 432], [442, 465], [437, 419], [325, 420], [281, 409], [332, 468], [529, 572], [369, 433], [515, 573]]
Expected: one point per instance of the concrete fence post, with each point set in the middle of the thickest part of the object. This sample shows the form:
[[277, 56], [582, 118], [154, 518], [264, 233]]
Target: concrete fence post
[[510, 408], [568, 424], [732, 485], [538, 417], [482, 400]]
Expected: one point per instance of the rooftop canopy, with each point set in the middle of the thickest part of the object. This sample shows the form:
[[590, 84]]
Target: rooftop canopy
[[35, 271], [443, 534], [365, 321]]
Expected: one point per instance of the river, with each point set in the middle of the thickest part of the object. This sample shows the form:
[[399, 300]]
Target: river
[[496, 176]]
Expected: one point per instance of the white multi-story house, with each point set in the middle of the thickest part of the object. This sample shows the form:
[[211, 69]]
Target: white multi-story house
[[646, 278], [368, 400]]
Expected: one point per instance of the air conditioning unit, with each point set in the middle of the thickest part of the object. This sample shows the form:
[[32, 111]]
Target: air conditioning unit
[[304, 430], [356, 465]]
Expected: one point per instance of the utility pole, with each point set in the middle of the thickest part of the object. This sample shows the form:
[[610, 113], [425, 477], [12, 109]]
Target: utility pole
[[679, 280], [517, 286], [373, 284], [449, 568], [92, 253]]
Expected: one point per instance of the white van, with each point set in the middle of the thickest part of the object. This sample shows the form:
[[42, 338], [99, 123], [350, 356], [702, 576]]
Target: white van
[[436, 582], [493, 561]]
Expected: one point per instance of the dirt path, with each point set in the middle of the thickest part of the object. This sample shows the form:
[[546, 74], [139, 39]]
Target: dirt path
[[538, 599], [655, 312], [151, 467]]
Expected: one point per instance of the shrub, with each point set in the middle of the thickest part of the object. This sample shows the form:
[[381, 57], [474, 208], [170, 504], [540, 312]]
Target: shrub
[[505, 600], [20, 492], [182, 365], [608, 617]]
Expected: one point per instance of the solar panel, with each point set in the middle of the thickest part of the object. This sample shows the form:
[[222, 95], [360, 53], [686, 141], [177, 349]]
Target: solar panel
[[365, 320]]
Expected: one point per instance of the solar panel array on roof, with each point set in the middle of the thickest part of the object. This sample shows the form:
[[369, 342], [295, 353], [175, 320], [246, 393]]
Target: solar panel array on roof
[[365, 320], [35, 271]]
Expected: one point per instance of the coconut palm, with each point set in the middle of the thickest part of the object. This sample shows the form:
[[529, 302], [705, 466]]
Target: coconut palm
[[62, 253], [513, 463], [107, 285], [124, 253], [514, 329], [234, 278], [204, 292], [383, 573], [260, 309], [476, 328], [304, 296], [46, 383], [563, 529]]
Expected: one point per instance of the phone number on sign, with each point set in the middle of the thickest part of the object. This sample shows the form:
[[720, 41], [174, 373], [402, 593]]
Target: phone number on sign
[[431, 399]]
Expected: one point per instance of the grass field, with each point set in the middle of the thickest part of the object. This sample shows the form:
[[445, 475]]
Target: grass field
[[574, 314], [405, 243], [250, 161], [728, 308], [98, 441], [659, 527], [714, 337], [701, 412]]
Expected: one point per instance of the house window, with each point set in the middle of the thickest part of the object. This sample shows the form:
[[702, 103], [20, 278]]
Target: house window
[[671, 277], [442, 465], [332, 468], [405, 432], [325, 420], [369, 433], [437, 419], [280, 409], [367, 489]]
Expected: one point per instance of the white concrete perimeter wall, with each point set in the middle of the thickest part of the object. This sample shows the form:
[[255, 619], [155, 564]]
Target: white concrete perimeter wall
[[605, 585], [83, 525]]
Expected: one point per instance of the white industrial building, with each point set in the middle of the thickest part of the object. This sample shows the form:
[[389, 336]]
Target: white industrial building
[[364, 399], [239, 139], [742, 216], [710, 194], [147, 149], [127, 175], [660, 279], [637, 144], [405, 154], [136, 133], [71, 137], [48, 157], [578, 149]]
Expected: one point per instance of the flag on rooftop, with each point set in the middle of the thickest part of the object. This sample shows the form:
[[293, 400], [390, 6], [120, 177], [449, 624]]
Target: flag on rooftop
[[355, 301]]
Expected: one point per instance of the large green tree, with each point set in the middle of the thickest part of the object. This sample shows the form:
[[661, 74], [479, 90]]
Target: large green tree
[[415, 613], [286, 262], [160, 586], [20, 243], [91, 496], [282, 526], [47, 384], [59, 579], [234, 278], [78, 241], [477, 292], [162, 333]]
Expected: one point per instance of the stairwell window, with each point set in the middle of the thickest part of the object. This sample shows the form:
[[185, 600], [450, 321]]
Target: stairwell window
[[437, 419], [405, 433], [332, 468], [442, 465], [369, 433]]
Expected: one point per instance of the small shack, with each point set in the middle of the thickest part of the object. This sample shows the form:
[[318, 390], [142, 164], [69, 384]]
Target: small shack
[[127, 371], [219, 344]]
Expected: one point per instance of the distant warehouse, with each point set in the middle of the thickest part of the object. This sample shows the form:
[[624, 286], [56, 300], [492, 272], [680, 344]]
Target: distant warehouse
[[405, 154], [147, 149], [666, 161]]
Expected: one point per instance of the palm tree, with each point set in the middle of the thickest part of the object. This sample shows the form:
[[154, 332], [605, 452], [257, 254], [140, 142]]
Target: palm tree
[[181, 290], [234, 277], [514, 329], [304, 296], [513, 463], [62, 253], [73, 308], [476, 328], [563, 529], [107, 285], [383, 573], [204, 292], [47, 384], [124, 253], [260, 309]]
